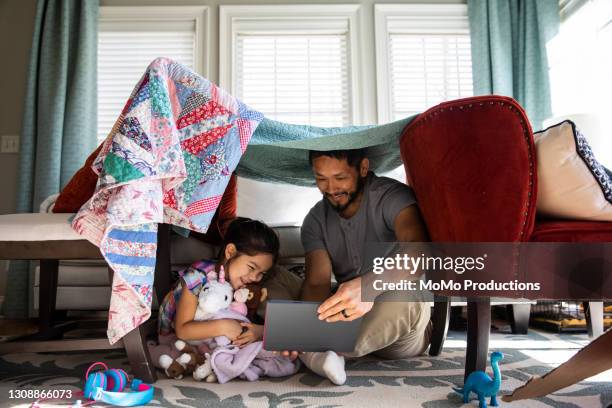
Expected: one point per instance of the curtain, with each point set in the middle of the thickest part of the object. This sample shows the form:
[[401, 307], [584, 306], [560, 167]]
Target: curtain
[[509, 51], [59, 119]]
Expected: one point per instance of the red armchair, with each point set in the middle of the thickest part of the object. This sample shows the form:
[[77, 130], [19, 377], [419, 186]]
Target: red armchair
[[472, 165]]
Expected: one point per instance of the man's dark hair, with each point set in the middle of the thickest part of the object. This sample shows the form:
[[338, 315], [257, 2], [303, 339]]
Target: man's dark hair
[[353, 157]]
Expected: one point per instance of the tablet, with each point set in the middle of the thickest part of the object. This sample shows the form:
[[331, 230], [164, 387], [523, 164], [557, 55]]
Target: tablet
[[294, 325]]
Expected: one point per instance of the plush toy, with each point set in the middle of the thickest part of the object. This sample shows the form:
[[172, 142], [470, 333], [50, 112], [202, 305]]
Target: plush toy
[[256, 296], [482, 385], [217, 294], [239, 303], [189, 362]]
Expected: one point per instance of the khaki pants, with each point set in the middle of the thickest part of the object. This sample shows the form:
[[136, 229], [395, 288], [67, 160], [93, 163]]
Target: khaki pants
[[391, 330]]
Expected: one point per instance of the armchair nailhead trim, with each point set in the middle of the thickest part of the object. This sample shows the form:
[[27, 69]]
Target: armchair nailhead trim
[[526, 134]]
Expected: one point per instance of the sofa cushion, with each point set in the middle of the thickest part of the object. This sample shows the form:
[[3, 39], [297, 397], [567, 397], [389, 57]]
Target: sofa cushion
[[571, 182], [37, 227], [290, 244], [185, 251], [572, 231]]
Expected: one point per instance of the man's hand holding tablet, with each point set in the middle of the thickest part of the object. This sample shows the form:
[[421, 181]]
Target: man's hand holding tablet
[[345, 305]]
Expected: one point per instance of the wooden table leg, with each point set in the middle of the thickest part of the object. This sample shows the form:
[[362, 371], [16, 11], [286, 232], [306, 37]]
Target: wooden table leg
[[440, 319], [479, 327]]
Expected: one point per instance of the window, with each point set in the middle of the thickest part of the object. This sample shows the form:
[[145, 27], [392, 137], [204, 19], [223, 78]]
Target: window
[[301, 79], [423, 57], [300, 70], [129, 38], [580, 60]]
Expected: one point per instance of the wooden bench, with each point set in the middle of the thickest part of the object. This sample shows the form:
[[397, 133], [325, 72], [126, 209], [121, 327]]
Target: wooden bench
[[48, 238]]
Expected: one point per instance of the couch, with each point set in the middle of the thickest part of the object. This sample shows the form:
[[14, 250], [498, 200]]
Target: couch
[[472, 165]]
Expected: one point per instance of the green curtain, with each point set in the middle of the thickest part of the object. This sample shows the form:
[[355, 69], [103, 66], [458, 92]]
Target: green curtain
[[509, 51], [60, 115]]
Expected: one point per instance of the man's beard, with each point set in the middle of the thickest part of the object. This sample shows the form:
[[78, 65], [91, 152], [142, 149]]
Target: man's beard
[[352, 196]]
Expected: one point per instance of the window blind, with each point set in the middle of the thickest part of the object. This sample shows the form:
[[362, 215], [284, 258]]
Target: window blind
[[428, 69], [125, 49], [302, 79]]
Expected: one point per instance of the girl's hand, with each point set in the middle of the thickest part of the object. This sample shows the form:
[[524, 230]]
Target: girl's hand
[[253, 332], [232, 329]]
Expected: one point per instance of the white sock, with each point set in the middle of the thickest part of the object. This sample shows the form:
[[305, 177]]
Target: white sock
[[326, 364]]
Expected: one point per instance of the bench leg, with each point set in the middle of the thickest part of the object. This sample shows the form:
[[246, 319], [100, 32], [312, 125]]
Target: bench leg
[[479, 327], [47, 297], [135, 343], [440, 319], [519, 317], [593, 312]]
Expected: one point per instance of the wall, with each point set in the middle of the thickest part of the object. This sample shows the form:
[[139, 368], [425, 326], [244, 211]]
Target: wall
[[16, 27]]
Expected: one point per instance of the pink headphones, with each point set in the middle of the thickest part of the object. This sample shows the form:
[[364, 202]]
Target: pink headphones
[[109, 386]]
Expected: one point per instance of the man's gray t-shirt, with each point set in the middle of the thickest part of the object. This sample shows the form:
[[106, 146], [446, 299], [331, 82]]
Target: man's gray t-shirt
[[344, 239]]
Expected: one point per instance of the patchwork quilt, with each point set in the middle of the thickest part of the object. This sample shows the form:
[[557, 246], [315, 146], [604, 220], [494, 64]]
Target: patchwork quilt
[[168, 160]]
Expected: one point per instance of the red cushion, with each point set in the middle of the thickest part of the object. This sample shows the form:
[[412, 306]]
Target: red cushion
[[571, 231], [566, 269], [225, 212], [79, 189]]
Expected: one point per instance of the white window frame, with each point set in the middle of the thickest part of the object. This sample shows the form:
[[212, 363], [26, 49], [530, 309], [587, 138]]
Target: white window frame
[[307, 19], [199, 15], [569, 7], [409, 19]]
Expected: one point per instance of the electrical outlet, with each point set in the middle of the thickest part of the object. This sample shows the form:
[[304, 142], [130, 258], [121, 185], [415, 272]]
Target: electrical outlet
[[9, 144]]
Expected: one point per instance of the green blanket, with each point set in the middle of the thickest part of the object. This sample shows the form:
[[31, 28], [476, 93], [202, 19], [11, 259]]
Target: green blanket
[[278, 152]]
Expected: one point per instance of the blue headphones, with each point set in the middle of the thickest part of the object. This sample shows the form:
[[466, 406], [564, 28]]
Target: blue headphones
[[109, 385]]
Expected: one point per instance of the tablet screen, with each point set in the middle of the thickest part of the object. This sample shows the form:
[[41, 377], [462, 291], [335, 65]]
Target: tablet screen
[[294, 325]]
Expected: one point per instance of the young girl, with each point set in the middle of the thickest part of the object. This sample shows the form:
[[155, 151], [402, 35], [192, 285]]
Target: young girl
[[249, 250]]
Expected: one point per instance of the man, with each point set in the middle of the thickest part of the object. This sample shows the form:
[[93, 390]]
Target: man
[[357, 206]]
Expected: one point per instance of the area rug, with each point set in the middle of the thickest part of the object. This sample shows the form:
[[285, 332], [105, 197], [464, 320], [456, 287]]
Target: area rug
[[419, 382]]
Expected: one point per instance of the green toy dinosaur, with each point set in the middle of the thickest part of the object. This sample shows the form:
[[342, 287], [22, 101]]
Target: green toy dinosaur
[[480, 383]]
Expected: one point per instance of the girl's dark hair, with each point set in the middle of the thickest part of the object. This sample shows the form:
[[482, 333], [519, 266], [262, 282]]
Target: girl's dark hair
[[252, 237]]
